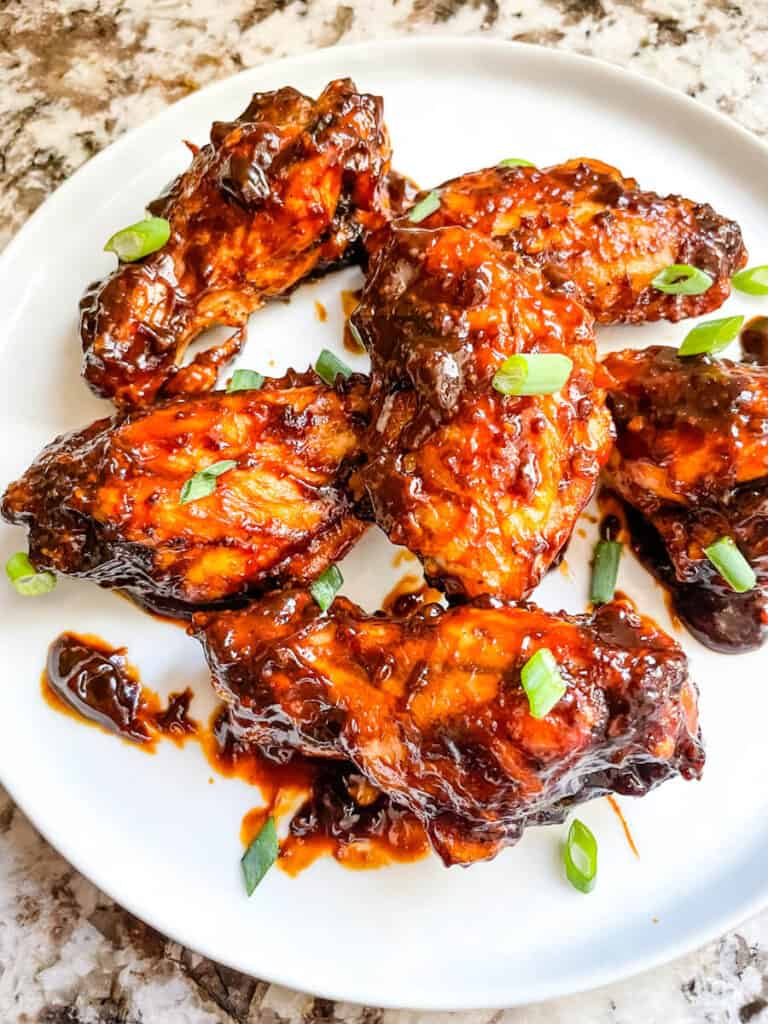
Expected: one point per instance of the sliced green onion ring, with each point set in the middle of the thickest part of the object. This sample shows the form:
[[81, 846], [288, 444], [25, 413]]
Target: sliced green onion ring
[[139, 239], [731, 564], [580, 857], [204, 483], [326, 586], [425, 207], [245, 380], [260, 856], [540, 373], [515, 161], [682, 279], [711, 337], [329, 366], [25, 577], [542, 682], [753, 280], [605, 570]]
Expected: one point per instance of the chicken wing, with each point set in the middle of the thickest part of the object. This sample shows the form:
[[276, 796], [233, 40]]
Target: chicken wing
[[430, 707], [691, 461], [484, 488], [105, 502], [592, 230], [282, 192]]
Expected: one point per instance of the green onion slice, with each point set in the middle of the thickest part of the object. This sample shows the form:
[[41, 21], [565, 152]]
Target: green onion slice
[[25, 577], [731, 564], [329, 366], [542, 682], [260, 856], [326, 586], [245, 380], [580, 857], [753, 280], [140, 239], [682, 279], [605, 570], [536, 374], [710, 337], [425, 207], [515, 161], [204, 483]]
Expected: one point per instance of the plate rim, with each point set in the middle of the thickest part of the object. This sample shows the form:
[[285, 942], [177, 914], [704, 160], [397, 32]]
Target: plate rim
[[664, 952]]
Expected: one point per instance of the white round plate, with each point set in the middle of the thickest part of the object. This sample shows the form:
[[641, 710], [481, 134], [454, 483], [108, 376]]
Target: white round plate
[[151, 831]]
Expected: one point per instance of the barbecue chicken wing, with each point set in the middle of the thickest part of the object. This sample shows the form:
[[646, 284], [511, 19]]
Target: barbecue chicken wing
[[590, 229], [284, 191], [691, 461], [484, 488], [105, 502], [431, 710]]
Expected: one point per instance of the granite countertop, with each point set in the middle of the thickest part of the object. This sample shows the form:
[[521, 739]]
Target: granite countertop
[[74, 75]]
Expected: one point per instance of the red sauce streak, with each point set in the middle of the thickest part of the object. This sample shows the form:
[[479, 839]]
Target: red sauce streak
[[349, 302], [617, 811]]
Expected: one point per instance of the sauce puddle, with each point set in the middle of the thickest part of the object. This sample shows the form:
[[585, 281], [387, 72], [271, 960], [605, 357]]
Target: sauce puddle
[[328, 807]]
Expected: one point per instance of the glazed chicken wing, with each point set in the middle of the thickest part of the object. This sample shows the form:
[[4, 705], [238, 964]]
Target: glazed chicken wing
[[105, 502], [282, 192], [691, 461], [592, 230], [430, 707], [484, 488]]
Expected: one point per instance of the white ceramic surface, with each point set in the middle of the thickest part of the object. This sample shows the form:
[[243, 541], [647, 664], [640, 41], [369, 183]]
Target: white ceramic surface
[[151, 831]]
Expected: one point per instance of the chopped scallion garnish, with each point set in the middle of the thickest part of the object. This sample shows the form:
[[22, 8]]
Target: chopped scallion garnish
[[682, 279], [580, 857], [245, 380], [605, 570], [260, 856], [326, 586], [711, 337], [425, 207], [140, 239], [540, 373], [753, 280], [515, 161], [542, 682], [329, 366], [731, 564], [25, 578], [204, 483]]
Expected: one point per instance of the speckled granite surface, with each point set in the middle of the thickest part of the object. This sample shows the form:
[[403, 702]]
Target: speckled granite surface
[[74, 74]]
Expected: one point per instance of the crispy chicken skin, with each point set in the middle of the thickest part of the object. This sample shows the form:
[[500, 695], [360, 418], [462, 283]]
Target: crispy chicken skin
[[691, 460], [431, 710], [590, 229], [284, 191], [484, 488], [104, 502]]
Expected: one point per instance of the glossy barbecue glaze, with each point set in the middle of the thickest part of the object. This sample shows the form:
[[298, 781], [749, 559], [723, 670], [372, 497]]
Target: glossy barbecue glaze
[[104, 502], [431, 711], [691, 459], [595, 233], [284, 191], [484, 488], [95, 681]]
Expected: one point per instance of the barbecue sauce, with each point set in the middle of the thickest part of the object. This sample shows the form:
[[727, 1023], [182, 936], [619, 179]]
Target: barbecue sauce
[[90, 680], [332, 808], [754, 341], [349, 303]]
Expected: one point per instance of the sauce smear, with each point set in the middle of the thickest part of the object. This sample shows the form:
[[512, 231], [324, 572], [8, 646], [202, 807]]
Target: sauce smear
[[349, 302]]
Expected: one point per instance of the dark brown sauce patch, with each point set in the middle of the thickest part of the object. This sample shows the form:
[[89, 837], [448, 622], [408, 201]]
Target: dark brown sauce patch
[[92, 681], [409, 593], [754, 341], [349, 302], [332, 808]]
